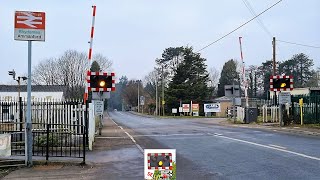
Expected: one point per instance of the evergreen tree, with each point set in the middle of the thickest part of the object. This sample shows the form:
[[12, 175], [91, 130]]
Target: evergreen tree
[[228, 75], [95, 67], [189, 81], [300, 67]]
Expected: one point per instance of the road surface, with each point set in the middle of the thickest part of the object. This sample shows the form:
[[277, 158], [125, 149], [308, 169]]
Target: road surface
[[211, 151]]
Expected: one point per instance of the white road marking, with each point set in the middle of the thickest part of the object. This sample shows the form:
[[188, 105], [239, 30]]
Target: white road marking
[[110, 137], [269, 147], [133, 140], [217, 134], [281, 147], [164, 135]]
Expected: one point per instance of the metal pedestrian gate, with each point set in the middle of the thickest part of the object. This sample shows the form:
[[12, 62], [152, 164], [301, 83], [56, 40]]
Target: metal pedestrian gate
[[59, 128]]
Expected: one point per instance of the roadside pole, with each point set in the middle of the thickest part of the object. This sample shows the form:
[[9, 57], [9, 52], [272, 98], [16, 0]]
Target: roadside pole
[[233, 103], [274, 67], [156, 97], [301, 110], [25, 20], [138, 96], [281, 115], [28, 132]]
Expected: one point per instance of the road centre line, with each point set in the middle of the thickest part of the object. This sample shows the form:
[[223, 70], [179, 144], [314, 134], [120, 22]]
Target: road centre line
[[269, 147], [281, 147], [163, 135]]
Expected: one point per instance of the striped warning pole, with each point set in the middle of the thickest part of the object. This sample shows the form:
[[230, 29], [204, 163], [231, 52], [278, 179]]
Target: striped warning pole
[[90, 49]]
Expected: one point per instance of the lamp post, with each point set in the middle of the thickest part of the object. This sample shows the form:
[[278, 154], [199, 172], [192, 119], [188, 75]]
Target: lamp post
[[13, 74], [19, 84]]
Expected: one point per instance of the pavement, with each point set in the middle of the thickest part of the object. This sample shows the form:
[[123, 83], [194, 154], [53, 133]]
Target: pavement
[[112, 158]]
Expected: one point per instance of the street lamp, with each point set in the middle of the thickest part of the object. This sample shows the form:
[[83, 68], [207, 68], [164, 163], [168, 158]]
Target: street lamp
[[18, 80]]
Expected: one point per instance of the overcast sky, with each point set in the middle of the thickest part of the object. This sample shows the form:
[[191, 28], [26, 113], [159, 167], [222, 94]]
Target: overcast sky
[[133, 33]]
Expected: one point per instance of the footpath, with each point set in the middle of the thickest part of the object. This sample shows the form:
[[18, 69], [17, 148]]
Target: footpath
[[114, 157]]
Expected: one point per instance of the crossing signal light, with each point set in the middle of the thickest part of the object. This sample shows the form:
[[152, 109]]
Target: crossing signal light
[[12, 73], [281, 83], [100, 81]]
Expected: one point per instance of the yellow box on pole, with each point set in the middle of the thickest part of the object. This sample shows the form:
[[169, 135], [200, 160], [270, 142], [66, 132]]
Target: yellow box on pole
[[301, 109], [301, 102]]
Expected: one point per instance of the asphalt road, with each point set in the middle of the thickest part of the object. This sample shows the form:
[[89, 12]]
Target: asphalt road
[[209, 151]]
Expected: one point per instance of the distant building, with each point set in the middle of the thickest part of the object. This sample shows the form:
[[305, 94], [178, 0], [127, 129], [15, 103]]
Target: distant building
[[301, 91], [225, 104], [45, 92]]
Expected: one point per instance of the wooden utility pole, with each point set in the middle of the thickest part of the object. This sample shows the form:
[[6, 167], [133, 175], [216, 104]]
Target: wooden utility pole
[[162, 83], [274, 66]]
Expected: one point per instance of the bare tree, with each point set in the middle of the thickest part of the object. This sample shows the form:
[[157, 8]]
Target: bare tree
[[214, 76], [104, 63], [68, 70]]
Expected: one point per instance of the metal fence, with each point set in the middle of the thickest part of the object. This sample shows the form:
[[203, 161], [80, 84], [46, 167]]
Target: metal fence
[[59, 128], [311, 109]]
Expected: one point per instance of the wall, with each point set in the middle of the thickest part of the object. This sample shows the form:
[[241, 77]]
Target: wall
[[295, 91], [224, 106]]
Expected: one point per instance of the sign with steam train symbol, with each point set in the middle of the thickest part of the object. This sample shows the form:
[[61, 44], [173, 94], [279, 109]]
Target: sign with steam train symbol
[[160, 163]]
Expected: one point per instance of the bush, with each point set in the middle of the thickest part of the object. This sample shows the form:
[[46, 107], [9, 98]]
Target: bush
[[42, 140]]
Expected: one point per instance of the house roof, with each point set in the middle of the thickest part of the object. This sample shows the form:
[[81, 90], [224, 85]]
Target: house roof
[[314, 88], [34, 88], [223, 99]]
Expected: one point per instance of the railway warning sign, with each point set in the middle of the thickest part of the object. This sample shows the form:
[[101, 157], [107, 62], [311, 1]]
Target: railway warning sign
[[29, 26]]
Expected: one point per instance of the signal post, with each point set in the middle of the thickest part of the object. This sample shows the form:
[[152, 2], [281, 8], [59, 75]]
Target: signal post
[[100, 84]]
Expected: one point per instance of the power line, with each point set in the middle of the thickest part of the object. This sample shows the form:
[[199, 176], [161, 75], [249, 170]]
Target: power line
[[298, 44], [250, 8], [252, 11], [240, 26]]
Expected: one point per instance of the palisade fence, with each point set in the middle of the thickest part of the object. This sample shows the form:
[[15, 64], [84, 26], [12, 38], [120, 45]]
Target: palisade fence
[[310, 108], [59, 127]]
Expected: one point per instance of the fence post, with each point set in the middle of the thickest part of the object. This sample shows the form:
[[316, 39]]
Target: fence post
[[85, 133], [47, 144]]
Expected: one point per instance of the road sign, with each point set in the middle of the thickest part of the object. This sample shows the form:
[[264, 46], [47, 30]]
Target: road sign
[[98, 107], [213, 107], [185, 107], [142, 100], [232, 90], [195, 107], [174, 110], [284, 97], [180, 109], [29, 26], [163, 102]]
